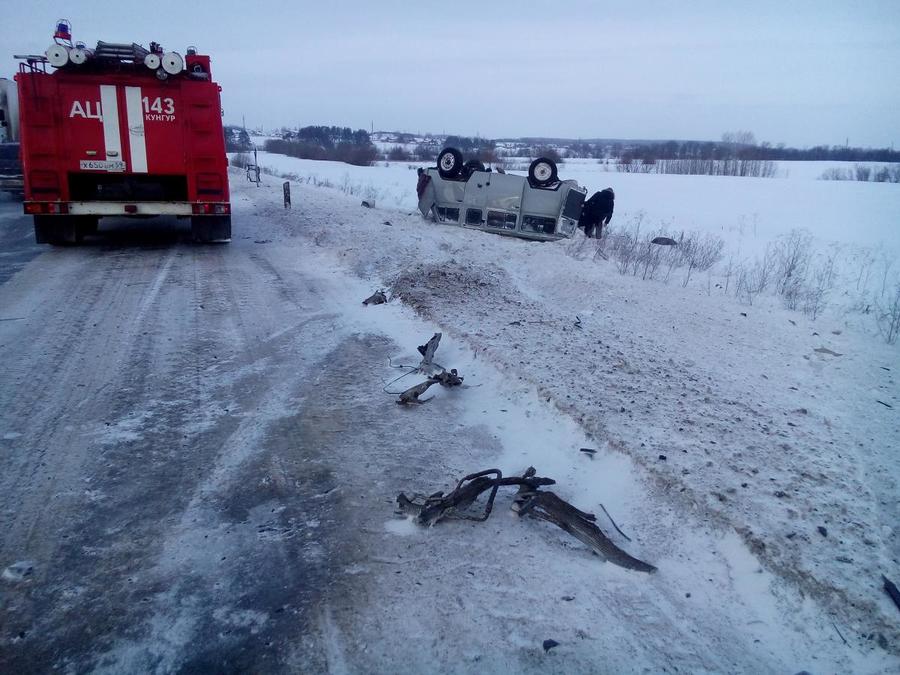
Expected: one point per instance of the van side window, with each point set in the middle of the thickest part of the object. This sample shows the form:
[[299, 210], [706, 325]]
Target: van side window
[[448, 214], [501, 220], [540, 224]]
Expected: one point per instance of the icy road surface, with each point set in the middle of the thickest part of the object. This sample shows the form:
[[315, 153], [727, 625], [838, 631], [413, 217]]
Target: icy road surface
[[198, 465]]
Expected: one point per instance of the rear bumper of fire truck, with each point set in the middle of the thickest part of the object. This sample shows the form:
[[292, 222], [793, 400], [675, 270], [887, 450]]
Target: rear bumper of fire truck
[[106, 209]]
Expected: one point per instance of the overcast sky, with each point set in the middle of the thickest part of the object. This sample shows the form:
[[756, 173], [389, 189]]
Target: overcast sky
[[798, 72]]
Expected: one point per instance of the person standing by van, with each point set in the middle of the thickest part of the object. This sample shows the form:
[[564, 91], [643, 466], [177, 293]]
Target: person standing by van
[[596, 212]]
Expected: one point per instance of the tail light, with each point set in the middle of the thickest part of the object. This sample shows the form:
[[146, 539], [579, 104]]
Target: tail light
[[49, 208], [209, 209]]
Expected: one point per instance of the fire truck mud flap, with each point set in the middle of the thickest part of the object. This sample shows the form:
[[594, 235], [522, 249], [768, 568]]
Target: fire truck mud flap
[[211, 229], [63, 230]]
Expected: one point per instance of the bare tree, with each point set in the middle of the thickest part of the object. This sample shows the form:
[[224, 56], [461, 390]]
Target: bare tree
[[888, 317], [866, 261], [792, 293], [731, 268], [887, 262]]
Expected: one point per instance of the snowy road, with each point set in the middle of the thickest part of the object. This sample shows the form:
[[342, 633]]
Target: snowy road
[[198, 465], [181, 445]]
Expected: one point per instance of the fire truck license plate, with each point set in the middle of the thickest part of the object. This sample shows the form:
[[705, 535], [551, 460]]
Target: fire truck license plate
[[102, 165]]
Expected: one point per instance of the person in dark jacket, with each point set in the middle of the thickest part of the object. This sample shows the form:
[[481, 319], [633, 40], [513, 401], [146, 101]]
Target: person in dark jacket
[[422, 182], [597, 212]]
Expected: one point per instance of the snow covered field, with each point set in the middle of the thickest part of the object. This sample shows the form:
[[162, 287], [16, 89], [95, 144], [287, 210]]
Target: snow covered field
[[751, 212], [747, 448], [748, 212]]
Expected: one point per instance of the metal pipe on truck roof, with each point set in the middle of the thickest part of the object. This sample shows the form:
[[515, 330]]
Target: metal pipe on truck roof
[[133, 52]]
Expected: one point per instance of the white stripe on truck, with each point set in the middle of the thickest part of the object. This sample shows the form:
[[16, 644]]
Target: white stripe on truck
[[109, 107], [136, 140]]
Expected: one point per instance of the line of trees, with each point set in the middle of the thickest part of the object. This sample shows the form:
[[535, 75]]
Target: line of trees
[[837, 153], [341, 144], [474, 147], [717, 150], [753, 168], [743, 145], [864, 173], [736, 154]]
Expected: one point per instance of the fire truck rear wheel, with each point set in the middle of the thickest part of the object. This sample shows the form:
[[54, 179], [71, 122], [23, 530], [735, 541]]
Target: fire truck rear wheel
[[209, 229]]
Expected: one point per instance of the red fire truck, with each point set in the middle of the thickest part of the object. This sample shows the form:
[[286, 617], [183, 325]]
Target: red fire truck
[[121, 130]]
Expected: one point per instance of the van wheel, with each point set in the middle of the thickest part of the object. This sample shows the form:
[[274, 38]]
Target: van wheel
[[543, 171], [450, 163]]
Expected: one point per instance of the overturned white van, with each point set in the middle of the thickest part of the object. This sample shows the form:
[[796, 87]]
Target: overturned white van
[[539, 206]]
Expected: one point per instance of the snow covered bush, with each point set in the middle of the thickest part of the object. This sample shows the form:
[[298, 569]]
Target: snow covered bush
[[815, 290], [622, 245], [764, 270], [887, 174], [635, 254], [700, 252], [836, 173]]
